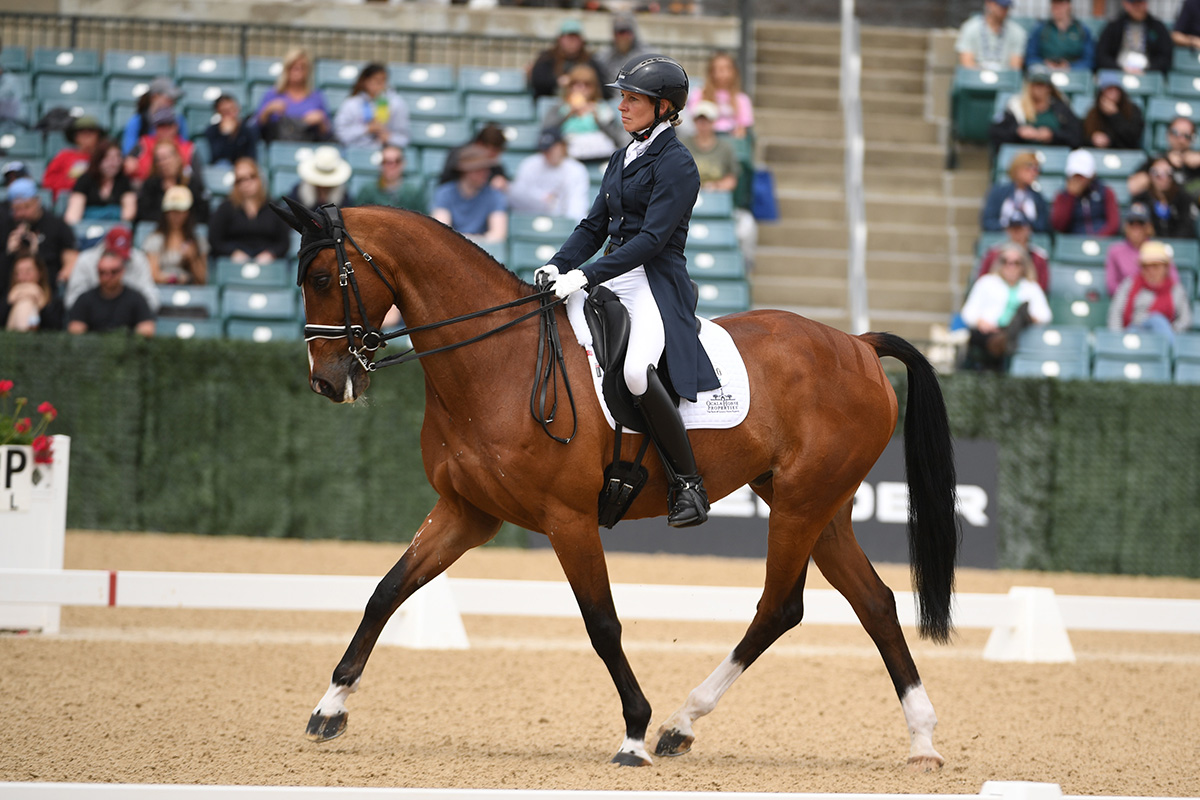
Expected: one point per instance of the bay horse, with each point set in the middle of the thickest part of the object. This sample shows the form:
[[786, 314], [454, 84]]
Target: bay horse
[[821, 413]]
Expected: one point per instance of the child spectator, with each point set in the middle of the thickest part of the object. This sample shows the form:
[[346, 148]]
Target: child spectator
[[469, 204], [1085, 205], [231, 137], [394, 188], [104, 191], [176, 254], [29, 293], [242, 227], [550, 181], [373, 114]]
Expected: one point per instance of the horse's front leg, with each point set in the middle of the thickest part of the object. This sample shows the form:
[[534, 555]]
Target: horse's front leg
[[582, 560], [450, 530]]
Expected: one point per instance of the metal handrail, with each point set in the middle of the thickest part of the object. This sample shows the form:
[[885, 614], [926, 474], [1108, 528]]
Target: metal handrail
[[856, 217]]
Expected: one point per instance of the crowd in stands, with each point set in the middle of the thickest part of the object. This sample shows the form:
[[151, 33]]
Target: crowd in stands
[[1123, 179], [121, 207]]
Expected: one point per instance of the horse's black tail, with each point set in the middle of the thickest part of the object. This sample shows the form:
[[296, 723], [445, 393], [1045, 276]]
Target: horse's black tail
[[933, 530]]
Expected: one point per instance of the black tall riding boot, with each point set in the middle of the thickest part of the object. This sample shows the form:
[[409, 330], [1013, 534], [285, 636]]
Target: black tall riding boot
[[686, 499]]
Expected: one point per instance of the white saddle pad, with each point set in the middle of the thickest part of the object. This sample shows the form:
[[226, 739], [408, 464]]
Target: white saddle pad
[[725, 407]]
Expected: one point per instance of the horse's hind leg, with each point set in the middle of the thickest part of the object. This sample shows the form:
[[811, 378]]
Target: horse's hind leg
[[843, 563], [450, 530]]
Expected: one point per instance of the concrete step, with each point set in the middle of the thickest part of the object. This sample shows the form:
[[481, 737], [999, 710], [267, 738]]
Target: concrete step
[[933, 242], [907, 209], [779, 151], [811, 98], [817, 34], [808, 124], [782, 262], [828, 77]]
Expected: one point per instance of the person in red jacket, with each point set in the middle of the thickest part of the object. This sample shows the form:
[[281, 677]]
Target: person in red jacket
[[1085, 205], [64, 169]]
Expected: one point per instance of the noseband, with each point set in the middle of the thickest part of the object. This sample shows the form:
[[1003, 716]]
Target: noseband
[[363, 340]]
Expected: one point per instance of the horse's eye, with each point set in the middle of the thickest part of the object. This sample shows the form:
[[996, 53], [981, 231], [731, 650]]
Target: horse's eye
[[321, 281]]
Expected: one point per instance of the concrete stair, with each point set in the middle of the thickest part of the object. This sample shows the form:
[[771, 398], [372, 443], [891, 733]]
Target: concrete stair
[[922, 220]]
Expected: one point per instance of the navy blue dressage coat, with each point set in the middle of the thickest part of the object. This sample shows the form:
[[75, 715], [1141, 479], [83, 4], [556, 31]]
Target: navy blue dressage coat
[[644, 209]]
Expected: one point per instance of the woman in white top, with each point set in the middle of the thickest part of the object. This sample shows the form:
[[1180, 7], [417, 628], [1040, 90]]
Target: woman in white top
[[373, 115], [1000, 305]]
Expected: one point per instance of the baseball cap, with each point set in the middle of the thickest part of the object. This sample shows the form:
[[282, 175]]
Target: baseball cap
[[1081, 162], [623, 22], [16, 169], [164, 116], [1138, 212], [177, 198], [164, 85], [571, 26], [1154, 253], [118, 241], [1039, 74], [548, 138], [22, 189], [707, 109]]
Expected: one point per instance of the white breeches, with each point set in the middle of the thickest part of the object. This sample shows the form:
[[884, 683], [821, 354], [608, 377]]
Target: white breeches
[[646, 335]]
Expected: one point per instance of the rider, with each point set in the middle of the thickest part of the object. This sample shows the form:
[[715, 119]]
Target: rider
[[643, 207]]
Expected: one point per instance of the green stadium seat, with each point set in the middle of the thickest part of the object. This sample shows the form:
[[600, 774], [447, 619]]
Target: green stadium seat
[[525, 254], [88, 232], [263, 69], [1148, 84], [1121, 164], [989, 238], [66, 89], [21, 144], [1112, 369], [722, 297], [136, 64], [1048, 186], [1187, 373], [198, 120], [1187, 347], [433, 161], [499, 108], [713, 205], [1052, 160], [209, 68], [1086, 313], [142, 230], [1184, 86], [189, 301], [441, 133], [715, 264], [1035, 366], [264, 330], [540, 227], [1081, 249], [202, 94], [522, 137], [251, 273], [433, 105], [714, 234], [188, 328], [1074, 83], [125, 88], [1185, 61], [1130, 346], [1061, 342], [509, 80], [288, 154], [364, 159], [972, 100], [336, 72], [1161, 110], [1184, 252], [65, 61], [422, 77], [1077, 282], [334, 97], [14, 59], [283, 180], [259, 303]]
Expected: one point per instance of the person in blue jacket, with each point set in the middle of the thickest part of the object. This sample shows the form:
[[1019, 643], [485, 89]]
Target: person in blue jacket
[[643, 207]]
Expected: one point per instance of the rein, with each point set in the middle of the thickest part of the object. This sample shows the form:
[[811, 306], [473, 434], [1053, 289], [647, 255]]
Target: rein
[[372, 338]]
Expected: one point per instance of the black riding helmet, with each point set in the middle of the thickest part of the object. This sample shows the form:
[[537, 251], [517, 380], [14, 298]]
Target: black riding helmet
[[655, 76]]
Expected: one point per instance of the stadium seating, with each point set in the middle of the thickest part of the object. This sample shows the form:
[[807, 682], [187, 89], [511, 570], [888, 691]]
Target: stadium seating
[[66, 89], [722, 297], [202, 94], [540, 227], [335, 72], [433, 105], [263, 69], [1080, 249], [973, 97], [499, 108], [14, 59], [1035, 366], [1077, 282], [263, 330], [1086, 313], [209, 68], [188, 328], [1111, 369], [490, 80], [192, 302], [716, 264], [274, 274], [422, 77], [65, 61], [136, 64], [713, 205], [258, 303]]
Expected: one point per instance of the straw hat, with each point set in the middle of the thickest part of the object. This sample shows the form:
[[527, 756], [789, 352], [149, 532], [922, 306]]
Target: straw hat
[[325, 168]]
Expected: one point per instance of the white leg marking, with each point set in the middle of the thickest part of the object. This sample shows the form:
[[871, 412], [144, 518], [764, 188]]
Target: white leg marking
[[918, 713], [636, 747], [334, 701], [704, 698]]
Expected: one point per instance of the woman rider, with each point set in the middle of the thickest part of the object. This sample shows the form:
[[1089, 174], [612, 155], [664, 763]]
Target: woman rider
[[643, 207]]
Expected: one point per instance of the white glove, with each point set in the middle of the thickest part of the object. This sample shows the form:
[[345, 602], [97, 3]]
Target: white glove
[[570, 283], [549, 272]]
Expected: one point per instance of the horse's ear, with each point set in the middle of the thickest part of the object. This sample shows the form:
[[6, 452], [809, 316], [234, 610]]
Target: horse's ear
[[305, 216], [287, 217]]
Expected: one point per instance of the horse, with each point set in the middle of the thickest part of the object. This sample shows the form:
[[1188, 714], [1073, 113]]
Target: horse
[[821, 413]]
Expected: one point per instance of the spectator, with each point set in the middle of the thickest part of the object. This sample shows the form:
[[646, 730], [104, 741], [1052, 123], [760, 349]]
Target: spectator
[[548, 73], [1037, 115], [13, 114], [176, 254], [1085, 205], [293, 110], [1185, 161], [1061, 42], [137, 269], [243, 228], [166, 130], [589, 125], [169, 169], [1186, 30], [11, 171], [999, 306], [1019, 232], [1135, 41], [373, 114], [1151, 300], [550, 181], [1172, 211], [1017, 194], [84, 134], [1114, 121], [29, 295], [491, 138], [111, 305], [29, 226], [469, 204], [625, 46], [714, 155], [323, 179], [1123, 259], [393, 188], [162, 93], [104, 192], [991, 40], [723, 87], [232, 136]]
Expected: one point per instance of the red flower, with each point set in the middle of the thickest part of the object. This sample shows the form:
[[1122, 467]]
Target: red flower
[[47, 410], [43, 452], [6, 386], [23, 425]]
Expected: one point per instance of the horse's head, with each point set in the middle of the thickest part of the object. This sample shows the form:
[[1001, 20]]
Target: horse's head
[[343, 308]]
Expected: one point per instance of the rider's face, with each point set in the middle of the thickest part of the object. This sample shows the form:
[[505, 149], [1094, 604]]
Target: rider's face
[[637, 111]]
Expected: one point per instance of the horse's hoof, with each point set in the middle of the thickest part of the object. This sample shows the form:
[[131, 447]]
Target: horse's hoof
[[627, 759], [673, 743], [322, 728], [925, 763]]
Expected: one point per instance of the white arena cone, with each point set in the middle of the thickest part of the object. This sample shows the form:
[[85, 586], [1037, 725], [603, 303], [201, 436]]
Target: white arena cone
[[429, 620], [1037, 632]]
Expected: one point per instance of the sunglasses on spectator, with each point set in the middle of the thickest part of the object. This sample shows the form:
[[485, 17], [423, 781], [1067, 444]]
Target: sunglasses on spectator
[[1181, 133], [1160, 173]]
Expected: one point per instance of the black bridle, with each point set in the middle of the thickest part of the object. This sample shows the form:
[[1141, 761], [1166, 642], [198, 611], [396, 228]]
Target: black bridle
[[363, 340]]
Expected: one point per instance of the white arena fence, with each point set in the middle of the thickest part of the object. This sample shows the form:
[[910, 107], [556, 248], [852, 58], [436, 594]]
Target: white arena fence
[[1028, 624]]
